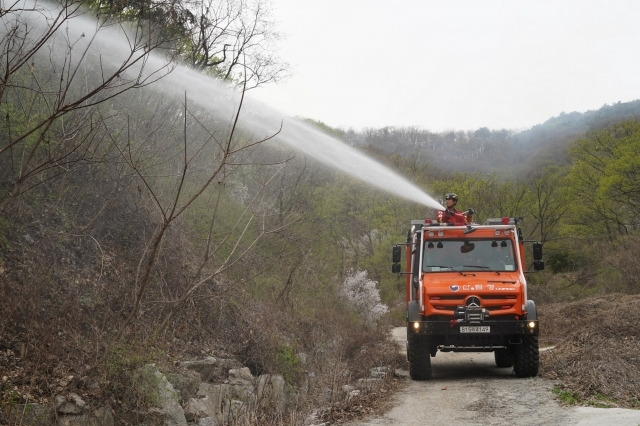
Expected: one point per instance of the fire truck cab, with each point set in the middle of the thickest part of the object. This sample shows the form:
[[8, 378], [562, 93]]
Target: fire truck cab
[[466, 291]]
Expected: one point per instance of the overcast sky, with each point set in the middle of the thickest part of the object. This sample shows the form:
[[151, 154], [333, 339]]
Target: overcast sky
[[454, 64]]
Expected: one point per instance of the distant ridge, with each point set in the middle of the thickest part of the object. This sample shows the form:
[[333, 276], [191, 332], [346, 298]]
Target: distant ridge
[[503, 152]]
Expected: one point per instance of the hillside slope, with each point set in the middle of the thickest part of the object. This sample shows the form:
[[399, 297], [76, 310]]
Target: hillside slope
[[596, 349]]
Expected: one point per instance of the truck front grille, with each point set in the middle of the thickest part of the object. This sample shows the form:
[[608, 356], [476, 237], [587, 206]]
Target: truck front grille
[[493, 303]]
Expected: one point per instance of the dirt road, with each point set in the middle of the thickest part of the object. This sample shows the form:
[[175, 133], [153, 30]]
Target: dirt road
[[468, 389]]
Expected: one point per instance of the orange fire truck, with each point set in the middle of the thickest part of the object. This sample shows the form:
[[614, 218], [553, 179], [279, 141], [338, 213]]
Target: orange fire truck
[[466, 292]]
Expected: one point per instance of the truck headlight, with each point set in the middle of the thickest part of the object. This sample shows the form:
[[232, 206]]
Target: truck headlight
[[531, 325], [416, 326]]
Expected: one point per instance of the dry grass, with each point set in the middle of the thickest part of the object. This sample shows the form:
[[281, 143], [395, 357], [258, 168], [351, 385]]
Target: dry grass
[[64, 299], [597, 348]]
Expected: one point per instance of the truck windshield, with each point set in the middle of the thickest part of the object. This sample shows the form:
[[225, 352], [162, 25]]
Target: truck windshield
[[468, 255]]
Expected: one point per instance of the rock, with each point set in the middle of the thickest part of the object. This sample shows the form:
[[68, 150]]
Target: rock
[[156, 389], [207, 421], [69, 404], [212, 369], [208, 402], [198, 408], [236, 413], [187, 383], [381, 372], [235, 399], [368, 384], [100, 417], [271, 392], [350, 392], [240, 376]]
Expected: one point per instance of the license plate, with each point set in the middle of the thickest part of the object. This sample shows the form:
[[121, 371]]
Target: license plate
[[475, 329]]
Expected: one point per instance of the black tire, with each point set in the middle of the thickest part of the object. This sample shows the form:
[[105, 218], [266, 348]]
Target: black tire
[[527, 357], [503, 357], [419, 358]]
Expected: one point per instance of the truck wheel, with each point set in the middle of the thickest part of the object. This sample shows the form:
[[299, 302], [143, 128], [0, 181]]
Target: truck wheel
[[419, 358], [504, 358], [527, 357]]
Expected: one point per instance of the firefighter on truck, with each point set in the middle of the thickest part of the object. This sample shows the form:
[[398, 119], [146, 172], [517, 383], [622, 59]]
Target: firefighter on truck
[[452, 216], [466, 290]]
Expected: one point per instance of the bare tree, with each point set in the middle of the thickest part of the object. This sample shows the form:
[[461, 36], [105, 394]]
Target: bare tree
[[174, 197], [230, 39], [233, 39], [54, 73]]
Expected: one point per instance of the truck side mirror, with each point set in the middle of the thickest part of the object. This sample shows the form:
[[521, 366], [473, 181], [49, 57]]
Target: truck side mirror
[[538, 263], [537, 251], [396, 254]]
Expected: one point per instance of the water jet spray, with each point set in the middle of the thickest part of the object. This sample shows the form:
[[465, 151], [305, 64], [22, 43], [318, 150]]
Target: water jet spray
[[294, 133], [223, 100]]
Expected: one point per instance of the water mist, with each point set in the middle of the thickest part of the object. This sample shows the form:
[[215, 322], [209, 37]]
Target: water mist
[[222, 100], [300, 136]]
